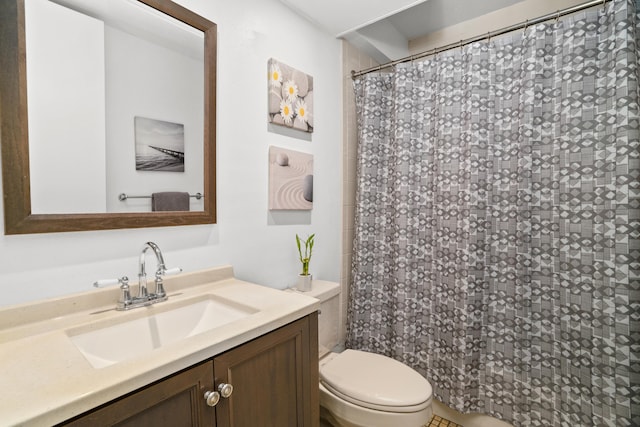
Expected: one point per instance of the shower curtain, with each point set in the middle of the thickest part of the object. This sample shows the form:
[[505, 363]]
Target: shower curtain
[[497, 224]]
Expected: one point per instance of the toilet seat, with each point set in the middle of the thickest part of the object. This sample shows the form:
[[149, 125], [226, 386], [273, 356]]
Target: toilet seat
[[376, 382]]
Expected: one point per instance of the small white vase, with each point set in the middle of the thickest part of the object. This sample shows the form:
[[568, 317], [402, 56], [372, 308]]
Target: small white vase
[[304, 282]]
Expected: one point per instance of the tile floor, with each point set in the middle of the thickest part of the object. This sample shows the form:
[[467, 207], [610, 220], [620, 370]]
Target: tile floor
[[438, 421]]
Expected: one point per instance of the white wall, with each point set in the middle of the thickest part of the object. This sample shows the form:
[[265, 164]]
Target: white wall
[[259, 244], [501, 18], [66, 99], [141, 81]]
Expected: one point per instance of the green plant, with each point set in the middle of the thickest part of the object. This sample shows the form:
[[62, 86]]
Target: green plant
[[306, 257]]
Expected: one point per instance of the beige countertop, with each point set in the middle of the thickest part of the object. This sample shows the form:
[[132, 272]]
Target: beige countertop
[[45, 379]]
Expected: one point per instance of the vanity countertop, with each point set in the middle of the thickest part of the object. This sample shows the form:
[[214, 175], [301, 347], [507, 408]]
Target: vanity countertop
[[46, 379]]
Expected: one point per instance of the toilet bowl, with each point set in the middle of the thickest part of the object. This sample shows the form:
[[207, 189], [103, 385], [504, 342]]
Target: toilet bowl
[[359, 388], [362, 389]]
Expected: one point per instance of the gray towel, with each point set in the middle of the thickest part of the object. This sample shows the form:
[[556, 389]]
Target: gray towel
[[170, 201]]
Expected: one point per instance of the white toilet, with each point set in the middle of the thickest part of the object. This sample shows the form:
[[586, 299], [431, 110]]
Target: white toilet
[[359, 388]]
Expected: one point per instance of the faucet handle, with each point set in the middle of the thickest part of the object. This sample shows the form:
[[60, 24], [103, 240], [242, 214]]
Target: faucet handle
[[103, 283], [171, 271], [125, 294], [160, 292]]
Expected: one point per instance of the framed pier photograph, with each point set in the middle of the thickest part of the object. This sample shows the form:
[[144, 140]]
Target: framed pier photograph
[[159, 145]]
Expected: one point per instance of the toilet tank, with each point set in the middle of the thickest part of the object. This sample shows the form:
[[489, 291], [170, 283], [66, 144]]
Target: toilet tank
[[329, 315]]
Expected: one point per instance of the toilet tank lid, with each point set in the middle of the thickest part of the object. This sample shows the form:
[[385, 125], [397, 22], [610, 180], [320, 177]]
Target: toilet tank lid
[[376, 379], [323, 289]]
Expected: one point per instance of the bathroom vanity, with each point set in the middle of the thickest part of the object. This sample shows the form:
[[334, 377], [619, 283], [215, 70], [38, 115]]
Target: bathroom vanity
[[219, 352]]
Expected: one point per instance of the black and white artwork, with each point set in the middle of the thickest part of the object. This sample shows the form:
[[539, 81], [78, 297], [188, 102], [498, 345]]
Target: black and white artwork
[[159, 145]]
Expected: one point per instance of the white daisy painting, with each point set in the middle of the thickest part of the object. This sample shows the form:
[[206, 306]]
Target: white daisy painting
[[290, 97]]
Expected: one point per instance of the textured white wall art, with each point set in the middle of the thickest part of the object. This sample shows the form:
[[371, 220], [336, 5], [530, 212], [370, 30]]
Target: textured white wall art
[[290, 179]]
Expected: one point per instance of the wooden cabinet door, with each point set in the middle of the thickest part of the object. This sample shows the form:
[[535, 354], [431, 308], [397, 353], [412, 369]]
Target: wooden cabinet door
[[177, 401], [274, 378]]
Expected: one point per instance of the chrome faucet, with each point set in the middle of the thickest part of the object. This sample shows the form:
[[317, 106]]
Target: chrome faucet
[[144, 298], [142, 273]]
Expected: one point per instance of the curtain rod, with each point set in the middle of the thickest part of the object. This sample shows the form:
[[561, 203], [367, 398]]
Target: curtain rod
[[521, 25]]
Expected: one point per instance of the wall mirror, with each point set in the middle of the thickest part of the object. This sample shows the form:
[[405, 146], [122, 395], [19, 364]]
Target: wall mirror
[[103, 104]]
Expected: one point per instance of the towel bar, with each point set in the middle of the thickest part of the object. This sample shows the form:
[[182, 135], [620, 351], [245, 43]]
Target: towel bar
[[122, 197]]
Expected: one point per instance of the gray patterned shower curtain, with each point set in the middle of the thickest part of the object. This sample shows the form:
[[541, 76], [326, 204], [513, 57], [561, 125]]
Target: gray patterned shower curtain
[[497, 226]]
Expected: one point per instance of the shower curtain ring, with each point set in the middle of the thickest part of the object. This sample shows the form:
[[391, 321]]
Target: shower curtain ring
[[526, 25], [557, 16]]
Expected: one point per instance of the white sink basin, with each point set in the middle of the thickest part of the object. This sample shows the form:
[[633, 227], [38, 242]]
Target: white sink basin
[[115, 343]]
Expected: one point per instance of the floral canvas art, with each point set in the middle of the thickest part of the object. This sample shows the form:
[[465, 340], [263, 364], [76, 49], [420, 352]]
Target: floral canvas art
[[290, 97]]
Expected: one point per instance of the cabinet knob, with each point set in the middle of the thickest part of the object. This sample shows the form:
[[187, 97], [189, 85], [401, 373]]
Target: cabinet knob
[[225, 390], [212, 398]]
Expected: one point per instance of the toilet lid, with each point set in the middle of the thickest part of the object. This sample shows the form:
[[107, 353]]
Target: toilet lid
[[375, 381]]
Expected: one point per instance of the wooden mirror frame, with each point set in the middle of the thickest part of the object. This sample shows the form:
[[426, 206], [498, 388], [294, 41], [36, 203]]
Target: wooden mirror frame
[[14, 137]]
